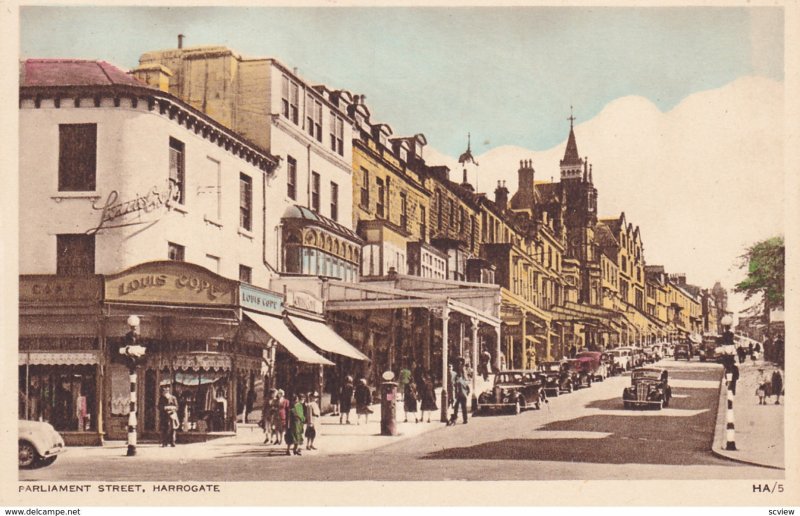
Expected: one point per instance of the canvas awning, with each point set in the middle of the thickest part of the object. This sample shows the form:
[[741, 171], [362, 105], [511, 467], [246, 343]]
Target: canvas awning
[[277, 329], [325, 338]]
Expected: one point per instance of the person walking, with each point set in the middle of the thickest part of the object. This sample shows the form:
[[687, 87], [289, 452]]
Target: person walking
[[346, 399], [280, 413], [266, 415], [168, 408], [410, 399], [363, 398], [779, 351], [461, 386], [763, 385], [297, 420], [428, 396], [312, 413], [405, 379], [777, 385]]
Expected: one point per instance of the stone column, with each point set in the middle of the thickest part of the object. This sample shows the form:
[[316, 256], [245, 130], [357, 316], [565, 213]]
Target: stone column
[[497, 348], [474, 326], [445, 374]]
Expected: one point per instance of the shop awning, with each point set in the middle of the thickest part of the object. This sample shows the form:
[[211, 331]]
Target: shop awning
[[325, 338], [67, 358], [278, 330]]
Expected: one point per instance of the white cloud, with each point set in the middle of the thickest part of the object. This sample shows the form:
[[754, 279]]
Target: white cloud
[[702, 181]]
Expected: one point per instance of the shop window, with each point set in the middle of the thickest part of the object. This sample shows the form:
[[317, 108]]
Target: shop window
[[203, 398], [245, 202], [74, 255], [64, 396], [176, 252], [77, 157], [177, 173]]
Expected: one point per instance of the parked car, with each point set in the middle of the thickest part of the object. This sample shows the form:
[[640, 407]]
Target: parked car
[[599, 362], [555, 378], [682, 350], [513, 389], [581, 372], [39, 444], [622, 359], [658, 351], [649, 388]]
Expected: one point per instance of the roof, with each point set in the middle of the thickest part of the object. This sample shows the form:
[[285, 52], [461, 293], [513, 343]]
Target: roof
[[547, 192], [571, 156], [73, 72], [300, 212]]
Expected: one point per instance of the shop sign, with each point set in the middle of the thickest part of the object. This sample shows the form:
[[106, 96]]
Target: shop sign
[[46, 289], [170, 282], [260, 300], [304, 301]]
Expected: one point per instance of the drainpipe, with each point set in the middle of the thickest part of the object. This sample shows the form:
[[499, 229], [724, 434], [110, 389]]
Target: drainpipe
[[264, 225], [308, 163]]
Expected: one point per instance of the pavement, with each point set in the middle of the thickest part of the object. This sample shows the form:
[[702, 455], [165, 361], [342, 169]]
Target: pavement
[[759, 429]]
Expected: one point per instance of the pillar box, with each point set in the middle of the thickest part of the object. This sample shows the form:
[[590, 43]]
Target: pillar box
[[388, 405]]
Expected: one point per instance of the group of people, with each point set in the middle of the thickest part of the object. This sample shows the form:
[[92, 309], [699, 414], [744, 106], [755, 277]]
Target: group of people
[[291, 422], [416, 385], [772, 386], [348, 392]]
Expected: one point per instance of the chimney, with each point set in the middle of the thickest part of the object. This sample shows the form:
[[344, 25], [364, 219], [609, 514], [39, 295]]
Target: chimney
[[501, 195], [525, 177], [154, 75], [180, 41]]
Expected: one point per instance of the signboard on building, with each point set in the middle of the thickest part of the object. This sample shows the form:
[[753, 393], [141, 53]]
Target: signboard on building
[[260, 300], [52, 289], [304, 301], [170, 282]]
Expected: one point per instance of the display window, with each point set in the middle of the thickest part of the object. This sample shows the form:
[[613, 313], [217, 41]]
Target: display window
[[64, 396]]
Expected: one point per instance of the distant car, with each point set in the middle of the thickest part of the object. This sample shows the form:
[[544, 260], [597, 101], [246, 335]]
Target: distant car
[[649, 388], [516, 390], [707, 349], [682, 350], [622, 359], [39, 444], [599, 363], [555, 378], [581, 372]]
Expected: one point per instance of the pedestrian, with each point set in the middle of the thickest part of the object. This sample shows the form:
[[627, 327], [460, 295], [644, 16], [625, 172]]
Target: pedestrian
[[750, 351], [428, 396], [297, 420], [280, 413], [363, 398], [777, 385], [451, 377], [419, 373], [410, 401], [483, 365], [756, 352], [346, 399], [763, 385], [333, 387], [168, 408], [779, 351], [741, 353], [405, 379], [266, 415], [461, 386], [312, 413]]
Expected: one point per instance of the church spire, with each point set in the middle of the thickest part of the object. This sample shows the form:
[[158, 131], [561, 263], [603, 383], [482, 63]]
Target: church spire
[[572, 163], [467, 161]]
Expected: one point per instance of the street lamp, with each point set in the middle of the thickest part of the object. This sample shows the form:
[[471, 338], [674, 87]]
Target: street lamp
[[133, 353]]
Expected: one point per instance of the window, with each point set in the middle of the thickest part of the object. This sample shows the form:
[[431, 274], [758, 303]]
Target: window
[[403, 210], [289, 99], [77, 157], [337, 134], [315, 191], [245, 274], [314, 118], [452, 213], [334, 201], [176, 252], [423, 223], [381, 196], [177, 180], [461, 218], [365, 188], [75, 255], [212, 190], [291, 178], [245, 202], [440, 210]]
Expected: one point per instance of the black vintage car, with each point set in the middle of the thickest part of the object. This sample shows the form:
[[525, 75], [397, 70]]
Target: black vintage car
[[580, 371], [682, 350], [516, 390], [555, 378], [649, 388]]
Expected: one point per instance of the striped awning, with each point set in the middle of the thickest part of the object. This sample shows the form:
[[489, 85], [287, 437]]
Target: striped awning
[[59, 358]]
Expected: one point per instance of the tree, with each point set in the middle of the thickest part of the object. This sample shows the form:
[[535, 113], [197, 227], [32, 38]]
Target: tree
[[765, 262]]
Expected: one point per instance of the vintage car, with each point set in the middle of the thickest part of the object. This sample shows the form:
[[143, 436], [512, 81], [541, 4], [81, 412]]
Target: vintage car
[[580, 371], [516, 390], [658, 351], [621, 358], [649, 388], [39, 444], [599, 361], [555, 378], [682, 350], [707, 349]]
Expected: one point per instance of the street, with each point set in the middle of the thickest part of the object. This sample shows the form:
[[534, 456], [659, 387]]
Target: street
[[582, 435]]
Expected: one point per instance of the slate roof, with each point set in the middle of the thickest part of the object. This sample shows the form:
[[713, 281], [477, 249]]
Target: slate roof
[[73, 72]]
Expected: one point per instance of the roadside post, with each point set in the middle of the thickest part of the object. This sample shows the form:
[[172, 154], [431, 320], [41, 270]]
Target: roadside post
[[388, 404]]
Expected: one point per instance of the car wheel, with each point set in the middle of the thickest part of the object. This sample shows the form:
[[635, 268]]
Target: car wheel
[[27, 454], [569, 387], [626, 405], [48, 460], [518, 406], [556, 392], [589, 382]]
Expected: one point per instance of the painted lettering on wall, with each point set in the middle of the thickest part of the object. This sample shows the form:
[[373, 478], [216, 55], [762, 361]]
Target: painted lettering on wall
[[115, 213]]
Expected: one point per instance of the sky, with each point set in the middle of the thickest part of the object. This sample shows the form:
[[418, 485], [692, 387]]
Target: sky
[[509, 76]]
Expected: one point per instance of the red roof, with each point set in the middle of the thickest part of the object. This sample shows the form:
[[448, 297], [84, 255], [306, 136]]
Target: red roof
[[73, 72]]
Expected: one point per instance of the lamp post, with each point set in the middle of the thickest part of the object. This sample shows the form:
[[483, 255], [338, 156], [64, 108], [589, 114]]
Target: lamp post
[[133, 353]]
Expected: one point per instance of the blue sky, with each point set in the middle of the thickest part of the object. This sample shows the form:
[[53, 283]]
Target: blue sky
[[507, 75]]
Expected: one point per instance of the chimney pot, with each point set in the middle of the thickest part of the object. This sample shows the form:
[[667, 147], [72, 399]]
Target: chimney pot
[[180, 40]]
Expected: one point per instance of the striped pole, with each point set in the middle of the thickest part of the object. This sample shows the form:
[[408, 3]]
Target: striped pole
[[132, 415], [730, 431]]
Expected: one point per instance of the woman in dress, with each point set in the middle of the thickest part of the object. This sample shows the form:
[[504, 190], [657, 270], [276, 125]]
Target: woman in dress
[[346, 399], [280, 412], [312, 413], [410, 400], [266, 416], [363, 400], [428, 397], [297, 423]]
